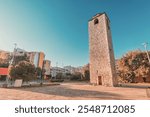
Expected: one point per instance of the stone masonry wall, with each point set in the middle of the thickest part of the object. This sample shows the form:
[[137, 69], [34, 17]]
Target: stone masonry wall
[[102, 62]]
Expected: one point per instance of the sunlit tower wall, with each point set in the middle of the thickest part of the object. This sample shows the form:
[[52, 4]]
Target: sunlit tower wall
[[102, 61]]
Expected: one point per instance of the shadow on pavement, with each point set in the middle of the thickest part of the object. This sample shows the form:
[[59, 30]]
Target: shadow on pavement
[[68, 92]]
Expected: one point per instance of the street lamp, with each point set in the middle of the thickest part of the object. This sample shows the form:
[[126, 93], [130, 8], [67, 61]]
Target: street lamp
[[14, 52], [10, 64], [145, 46]]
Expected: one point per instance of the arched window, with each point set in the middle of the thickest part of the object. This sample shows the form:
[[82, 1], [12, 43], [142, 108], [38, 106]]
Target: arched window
[[96, 21]]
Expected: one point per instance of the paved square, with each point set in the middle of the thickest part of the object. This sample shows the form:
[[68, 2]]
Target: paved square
[[73, 91]]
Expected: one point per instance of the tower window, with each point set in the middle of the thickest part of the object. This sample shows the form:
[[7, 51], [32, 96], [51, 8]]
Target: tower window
[[96, 21]]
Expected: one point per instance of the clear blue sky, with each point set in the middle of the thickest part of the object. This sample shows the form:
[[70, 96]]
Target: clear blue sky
[[60, 27]]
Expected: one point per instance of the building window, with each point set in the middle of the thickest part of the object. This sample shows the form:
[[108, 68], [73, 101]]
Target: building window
[[96, 21]]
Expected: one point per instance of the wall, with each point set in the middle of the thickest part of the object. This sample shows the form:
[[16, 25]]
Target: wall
[[102, 62]]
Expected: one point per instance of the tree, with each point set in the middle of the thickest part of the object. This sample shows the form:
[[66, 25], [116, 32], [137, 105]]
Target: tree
[[17, 59], [59, 76], [76, 76], [133, 65], [87, 74], [4, 63], [23, 70], [38, 72]]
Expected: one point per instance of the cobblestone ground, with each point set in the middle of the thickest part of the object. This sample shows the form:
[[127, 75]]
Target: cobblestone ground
[[71, 91]]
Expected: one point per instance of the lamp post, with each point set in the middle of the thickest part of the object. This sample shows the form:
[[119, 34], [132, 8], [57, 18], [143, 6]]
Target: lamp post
[[14, 52], [145, 46], [10, 64]]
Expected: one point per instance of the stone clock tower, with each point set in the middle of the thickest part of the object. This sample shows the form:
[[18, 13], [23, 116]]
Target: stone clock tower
[[102, 62]]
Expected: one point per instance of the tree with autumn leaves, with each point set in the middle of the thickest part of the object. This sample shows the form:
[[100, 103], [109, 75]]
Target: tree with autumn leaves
[[134, 66]]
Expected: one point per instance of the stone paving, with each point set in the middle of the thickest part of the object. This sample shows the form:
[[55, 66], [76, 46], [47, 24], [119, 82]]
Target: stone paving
[[73, 91]]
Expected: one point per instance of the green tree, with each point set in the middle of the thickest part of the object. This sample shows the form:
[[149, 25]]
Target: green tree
[[38, 71], [4, 63], [59, 76], [87, 74], [17, 59], [23, 70], [76, 76]]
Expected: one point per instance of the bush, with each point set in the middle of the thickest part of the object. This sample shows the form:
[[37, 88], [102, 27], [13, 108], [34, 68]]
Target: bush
[[76, 76], [59, 76]]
